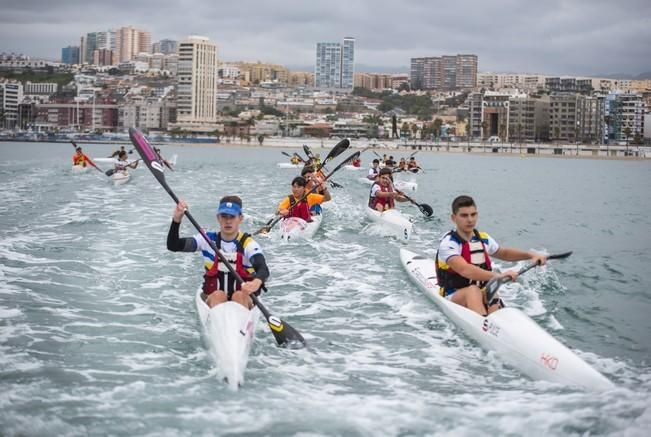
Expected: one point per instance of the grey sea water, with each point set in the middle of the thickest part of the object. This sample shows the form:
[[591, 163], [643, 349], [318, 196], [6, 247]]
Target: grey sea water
[[99, 336]]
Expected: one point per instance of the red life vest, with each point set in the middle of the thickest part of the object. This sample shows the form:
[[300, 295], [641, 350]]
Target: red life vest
[[221, 278], [79, 160], [300, 209], [474, 252], [384, 201]]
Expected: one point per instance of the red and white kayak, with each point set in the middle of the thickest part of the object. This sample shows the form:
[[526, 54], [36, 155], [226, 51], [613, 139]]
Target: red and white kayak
[[293, 228], [229, 331], [513, 335]]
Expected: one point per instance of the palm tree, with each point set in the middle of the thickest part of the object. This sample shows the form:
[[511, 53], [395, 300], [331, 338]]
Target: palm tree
[[484, 130], [520, 137]]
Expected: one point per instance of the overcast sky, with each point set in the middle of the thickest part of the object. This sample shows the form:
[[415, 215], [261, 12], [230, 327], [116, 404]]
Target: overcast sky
[[572, 37]]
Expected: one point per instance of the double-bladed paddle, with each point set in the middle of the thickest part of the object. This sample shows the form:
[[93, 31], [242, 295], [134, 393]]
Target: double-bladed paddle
[[494, 284], [87, 158], [424, 207], [266, 228], [110, 172], [284, 334], [294, 155], [309, 154]]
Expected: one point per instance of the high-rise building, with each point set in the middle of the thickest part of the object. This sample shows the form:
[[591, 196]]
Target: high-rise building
[[11, 95], [70, 55], [165, 46], [348, 63], [130, 41], [444, 73], [197, 84], [91, 46], [335, 64]]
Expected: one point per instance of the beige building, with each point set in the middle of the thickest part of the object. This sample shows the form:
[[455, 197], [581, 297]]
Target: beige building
[[197, 84], [130, 41], [301, 78], [255, 73], [373, 81]]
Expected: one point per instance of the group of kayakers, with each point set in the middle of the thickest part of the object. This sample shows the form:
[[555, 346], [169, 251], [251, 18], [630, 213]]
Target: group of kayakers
[[121, 157], [463, 259]]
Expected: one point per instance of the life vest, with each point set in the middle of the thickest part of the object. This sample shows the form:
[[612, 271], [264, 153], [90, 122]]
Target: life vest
[[121, 166], [299, 209], [474, 252], [373, 201], [79, 160], [219, 277]]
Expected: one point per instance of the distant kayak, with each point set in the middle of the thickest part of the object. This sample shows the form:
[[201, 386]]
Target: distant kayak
[[401, 185], [393, 221], [351, 167], [120, 177], [80, 168], [288, 165]]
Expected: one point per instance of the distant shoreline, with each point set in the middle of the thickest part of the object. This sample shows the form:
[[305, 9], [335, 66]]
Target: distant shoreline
[[526, 150]]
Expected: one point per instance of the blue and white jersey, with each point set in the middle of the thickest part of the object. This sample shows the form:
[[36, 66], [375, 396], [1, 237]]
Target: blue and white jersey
[[228, 249]]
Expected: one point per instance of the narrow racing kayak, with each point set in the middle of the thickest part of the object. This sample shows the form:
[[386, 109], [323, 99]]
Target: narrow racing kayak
[[399, 184], [120, 177], [80, 168], [293, 228], [229, 331], [351, 167], [288, 165], [513, 335], [393, 221]]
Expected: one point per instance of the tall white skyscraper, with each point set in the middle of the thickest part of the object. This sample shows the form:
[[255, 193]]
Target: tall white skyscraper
[[197, 83], [348, 63], [335, 64]]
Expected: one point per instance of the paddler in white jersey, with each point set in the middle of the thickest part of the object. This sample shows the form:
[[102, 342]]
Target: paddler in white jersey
[[374, 171], [239, 248], [122, 164], [463, 264]]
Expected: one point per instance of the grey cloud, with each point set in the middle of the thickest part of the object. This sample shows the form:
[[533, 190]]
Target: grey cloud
[[550, 37]]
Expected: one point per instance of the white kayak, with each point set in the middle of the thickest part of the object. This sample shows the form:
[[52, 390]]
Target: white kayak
[[393, 221], [400, 185], [229, 331], [80, 168], [115, 161], [120, 177], [513, 335], [405, 185], [351, 167], [293, 228], [288, 165]]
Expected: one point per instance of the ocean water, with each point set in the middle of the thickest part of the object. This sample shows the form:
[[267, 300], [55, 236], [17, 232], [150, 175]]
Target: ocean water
[[99, 335]]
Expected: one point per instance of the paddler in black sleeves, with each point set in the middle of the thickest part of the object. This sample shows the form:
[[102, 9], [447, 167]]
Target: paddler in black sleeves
[[238, 247]]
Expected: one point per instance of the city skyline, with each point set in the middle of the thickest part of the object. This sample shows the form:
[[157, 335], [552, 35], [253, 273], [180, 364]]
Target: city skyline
[[555, 37]]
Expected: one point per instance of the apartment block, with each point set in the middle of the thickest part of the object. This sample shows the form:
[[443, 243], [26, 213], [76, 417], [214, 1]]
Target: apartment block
[[197, 84], [70, 55], [11, 95], [444, 73], [335, 64]]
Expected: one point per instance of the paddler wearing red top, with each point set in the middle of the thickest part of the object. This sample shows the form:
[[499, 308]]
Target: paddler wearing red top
[[382, 196], [463, 264], [293, 206], [79, 158]]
